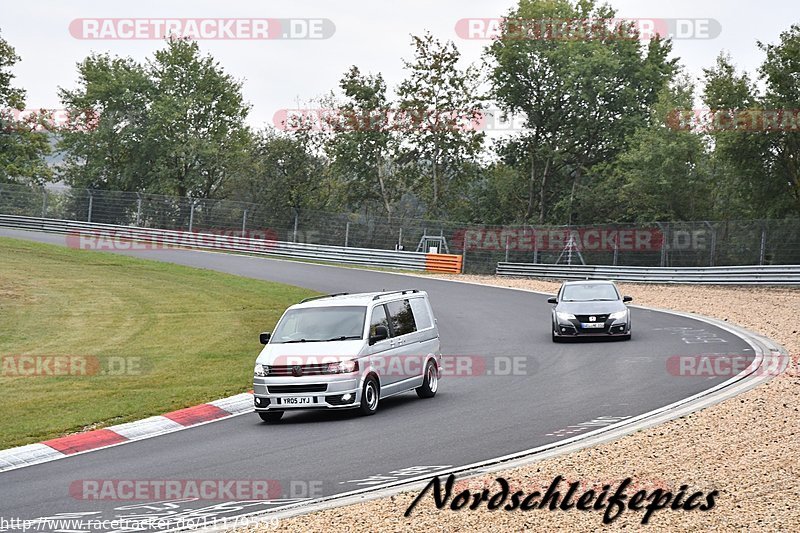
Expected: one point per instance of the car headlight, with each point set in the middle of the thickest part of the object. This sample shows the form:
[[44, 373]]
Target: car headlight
[[342, 367], [565, 316], [260, 371], [618, 315]]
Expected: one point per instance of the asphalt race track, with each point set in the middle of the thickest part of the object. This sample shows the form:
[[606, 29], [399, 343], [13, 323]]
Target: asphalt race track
[[472, 418]]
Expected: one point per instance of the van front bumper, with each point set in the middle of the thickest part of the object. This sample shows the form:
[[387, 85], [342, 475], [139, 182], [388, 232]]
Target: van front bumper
[[311, 392]]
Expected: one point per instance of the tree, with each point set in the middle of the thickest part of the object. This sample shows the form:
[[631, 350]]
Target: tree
[[662, 175], [781, 72], [24, 142], [583, 91], [440, 104], [363, 145], [175, 125]]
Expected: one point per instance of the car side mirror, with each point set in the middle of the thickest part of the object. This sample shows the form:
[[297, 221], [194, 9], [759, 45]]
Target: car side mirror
[[381, 332], [552, 300], [264, 337], [627, 298]]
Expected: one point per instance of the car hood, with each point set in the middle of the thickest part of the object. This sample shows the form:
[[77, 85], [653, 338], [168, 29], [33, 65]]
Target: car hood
[[277, 354], [590, 308]]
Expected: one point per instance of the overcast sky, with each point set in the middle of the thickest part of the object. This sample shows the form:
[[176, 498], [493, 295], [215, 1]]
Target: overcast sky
[[279, 73]]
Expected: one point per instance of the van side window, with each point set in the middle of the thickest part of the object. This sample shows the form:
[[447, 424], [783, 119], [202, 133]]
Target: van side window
[[378, 319], [402, 317], [421, 314]]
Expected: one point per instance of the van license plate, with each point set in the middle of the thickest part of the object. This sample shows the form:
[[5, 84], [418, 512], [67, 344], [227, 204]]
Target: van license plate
[[297, 400]]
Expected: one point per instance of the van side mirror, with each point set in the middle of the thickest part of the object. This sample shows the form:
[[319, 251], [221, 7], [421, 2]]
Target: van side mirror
[[381, 332], [627, 298], [552, 300], [264, 337]]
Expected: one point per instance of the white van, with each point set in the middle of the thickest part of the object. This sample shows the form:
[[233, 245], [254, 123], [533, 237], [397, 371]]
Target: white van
[[347, 351]]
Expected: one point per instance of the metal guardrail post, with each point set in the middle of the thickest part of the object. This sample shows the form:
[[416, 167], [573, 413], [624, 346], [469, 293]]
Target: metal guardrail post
[[91, 197]]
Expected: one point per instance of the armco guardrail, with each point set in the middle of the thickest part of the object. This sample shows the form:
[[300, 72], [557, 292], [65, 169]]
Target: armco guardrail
[[732, 275], [107, 236]]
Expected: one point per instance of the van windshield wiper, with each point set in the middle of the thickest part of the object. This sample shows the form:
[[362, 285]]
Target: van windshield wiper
[[303, 340], [345, 338]]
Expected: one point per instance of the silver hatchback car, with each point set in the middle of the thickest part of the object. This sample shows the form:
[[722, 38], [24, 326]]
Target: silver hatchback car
[[348, 351]]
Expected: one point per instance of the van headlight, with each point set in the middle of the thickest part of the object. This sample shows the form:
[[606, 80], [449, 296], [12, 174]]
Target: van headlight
[[342, 367], [619, 315], [260, 371], [565, 316]]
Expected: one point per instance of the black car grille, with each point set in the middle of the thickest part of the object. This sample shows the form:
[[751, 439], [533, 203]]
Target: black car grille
[[297, 370], [597, 318], [283, 389]]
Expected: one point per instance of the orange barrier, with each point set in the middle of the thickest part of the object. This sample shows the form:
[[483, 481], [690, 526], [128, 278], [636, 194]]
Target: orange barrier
[[446, 263]]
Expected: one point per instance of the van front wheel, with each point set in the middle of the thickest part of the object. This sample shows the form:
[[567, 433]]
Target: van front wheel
[[370, 395], [430, 383]]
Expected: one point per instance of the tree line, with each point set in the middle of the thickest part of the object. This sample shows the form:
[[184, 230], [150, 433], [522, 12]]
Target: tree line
[[612, 130]]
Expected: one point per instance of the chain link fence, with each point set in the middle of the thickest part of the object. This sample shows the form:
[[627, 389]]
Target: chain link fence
[[694, 244]]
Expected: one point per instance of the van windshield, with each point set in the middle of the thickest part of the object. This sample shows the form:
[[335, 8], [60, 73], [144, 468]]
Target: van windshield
[[320, 324]]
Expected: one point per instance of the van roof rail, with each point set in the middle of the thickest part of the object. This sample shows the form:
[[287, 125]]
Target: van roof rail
[[381, 295], [304, 300]]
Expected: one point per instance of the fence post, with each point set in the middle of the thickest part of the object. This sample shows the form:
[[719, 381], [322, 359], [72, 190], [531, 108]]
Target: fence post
[[244, 222], [191, 216], [44, 202], [763, 252], [346, 233], [713, 243], [506, 248], [294, 233], [138, 209], [400, 240], [535, 247], [91, 197], [616, 248], [664, 231]]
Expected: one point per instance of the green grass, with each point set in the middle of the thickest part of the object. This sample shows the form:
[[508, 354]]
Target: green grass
[[194, 333]]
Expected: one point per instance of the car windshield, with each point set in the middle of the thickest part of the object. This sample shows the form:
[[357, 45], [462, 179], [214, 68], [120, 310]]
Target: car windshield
[[318, 324], [589, 292]]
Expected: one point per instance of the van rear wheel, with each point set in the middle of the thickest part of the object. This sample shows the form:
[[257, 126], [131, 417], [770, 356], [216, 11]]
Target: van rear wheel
[[430, 383], [270, 417], [370, 395]]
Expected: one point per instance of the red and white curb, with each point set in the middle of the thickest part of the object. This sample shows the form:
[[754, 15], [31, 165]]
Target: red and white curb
[[53, 449]]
